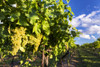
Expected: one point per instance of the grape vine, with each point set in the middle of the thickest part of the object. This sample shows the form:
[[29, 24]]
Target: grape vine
[[40, 25]]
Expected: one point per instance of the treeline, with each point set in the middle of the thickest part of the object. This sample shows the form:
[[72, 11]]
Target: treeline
[[93, 48]]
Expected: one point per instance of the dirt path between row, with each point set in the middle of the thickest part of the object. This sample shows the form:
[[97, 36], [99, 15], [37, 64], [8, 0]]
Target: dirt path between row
[[73, 61]]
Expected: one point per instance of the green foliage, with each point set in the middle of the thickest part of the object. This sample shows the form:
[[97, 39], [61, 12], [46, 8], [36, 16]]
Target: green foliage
[[68, 1], [42, 24], [94, 45], [98, 39]]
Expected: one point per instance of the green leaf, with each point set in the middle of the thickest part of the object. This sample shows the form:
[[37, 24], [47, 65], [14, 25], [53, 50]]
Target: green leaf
[[1, 16], [73, 33], [60, 46], [48, 12], [33, 1], [2, 10], [68, 1], [14, 16], [72, 13], [21, 61], [33, 19], [62, 11], [22, 21], [1, 1], [46, 27], [11, 1], [12, 19], [69, 8], [70, 17], [26, 62], [51, 56], [36, 28]]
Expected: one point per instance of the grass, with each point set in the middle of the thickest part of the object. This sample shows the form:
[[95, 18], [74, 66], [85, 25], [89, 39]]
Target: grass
[[82, 58], [86, 59]]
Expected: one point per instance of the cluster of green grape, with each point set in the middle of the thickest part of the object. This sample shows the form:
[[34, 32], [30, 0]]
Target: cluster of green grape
[[19, 39], [36, 41]]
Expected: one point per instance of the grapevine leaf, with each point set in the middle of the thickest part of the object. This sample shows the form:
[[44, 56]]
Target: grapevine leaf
[[73, 33], [68, 1], [46, 27], [33, 19], [22, 21], [21, 61], [69, 8], [51, 56], [72, 13], [15, 16], [36, 28], [1, 16], [11, 1]]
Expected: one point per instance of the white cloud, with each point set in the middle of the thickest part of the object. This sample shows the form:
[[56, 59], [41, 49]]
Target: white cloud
[[89, 23], [81, 16], [86, 36], [92, 14], [84, 25], [87, 20], [92, 18], [76, 21], [80, 30], [94, 29], [93, 37]]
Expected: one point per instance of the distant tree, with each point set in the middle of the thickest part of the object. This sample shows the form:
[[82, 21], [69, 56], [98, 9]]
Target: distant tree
[[98, 39]]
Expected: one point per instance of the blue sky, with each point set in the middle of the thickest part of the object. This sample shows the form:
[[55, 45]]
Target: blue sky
[[86, 19]]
